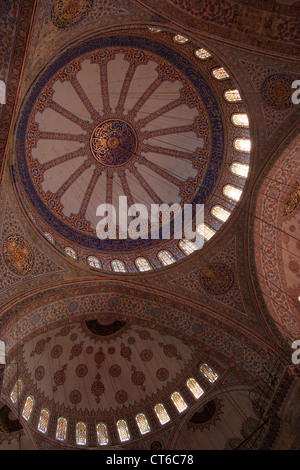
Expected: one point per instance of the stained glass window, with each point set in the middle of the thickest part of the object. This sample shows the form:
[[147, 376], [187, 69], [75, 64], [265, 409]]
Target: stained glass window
[[178, 402], [49, 237], [187, 246], [154, 29], [240, 169], [166, 258], [94, 262], [71, 252], [2, 92], [220, 213], [123, 430], [43, 421], [242, 145], [28, 408], [202, 54], [240, 120], [81, 433], [142, 423], [194, 387], [180, 39], [161, 413], [205, 231], [118, 266], [61, 429], [208, 373], [232, 192], [220, 73], [143, 264], [232, 96], [102, 435], [16, 391], [2, 353]]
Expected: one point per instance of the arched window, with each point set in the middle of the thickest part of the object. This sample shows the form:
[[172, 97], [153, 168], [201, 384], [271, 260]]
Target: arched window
[[81, 433], [118, 266], [220, 213], [187, 246], [16, 391], [195, 388], [154, 29], [28, 408], [240, 169], [61, 429], [232, 192], [220, 73], [161, 413], [233, 96], [94, 262], [142, 423], [205, 231], [143, 264], [242, 145], [202, 54], [70, 252], [44, 421], [102, 434], [123, 430], [180, 39], [166, 258], [208, 373], [49, 237], [2, 353], [2, 92], [240, 120], [178, 402]]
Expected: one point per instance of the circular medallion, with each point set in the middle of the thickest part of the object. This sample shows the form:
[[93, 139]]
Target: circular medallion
[[81, 370], [39, 373], [115, 370], [276, 91], [156, 445], [121, 396], [75, 397], [18, 254], [56, 351], [113, 142], [146, 355], [162, 374], [216, 278], [65, 13]]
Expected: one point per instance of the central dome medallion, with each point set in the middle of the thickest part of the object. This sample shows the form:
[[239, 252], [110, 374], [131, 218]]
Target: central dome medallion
[[113, 142]]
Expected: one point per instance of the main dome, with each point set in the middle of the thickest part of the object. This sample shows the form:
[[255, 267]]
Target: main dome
[[121, 115]]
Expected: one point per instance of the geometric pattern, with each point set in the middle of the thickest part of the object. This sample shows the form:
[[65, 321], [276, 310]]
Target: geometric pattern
[[18, 254], [113, 142], [66, 13], [216, 278], [276, 91]]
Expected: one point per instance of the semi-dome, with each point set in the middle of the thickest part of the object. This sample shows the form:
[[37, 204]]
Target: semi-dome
[[102, 379]]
